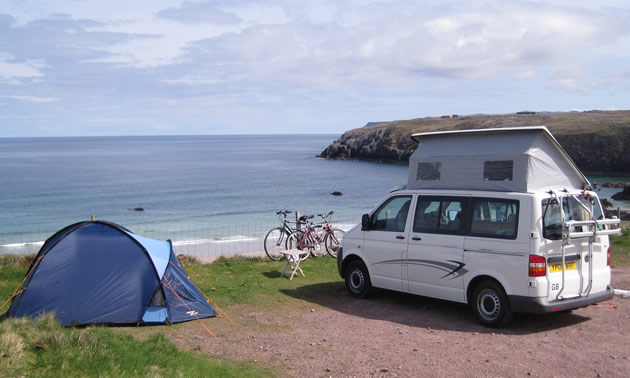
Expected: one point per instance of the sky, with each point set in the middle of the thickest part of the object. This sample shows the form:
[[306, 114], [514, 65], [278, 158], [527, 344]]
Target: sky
[[168, 67]]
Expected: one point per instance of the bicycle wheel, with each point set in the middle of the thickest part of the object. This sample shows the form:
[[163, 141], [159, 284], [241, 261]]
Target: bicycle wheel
[[293, 240], [275, 243], [297, 241], [333, 241], [319, 243]]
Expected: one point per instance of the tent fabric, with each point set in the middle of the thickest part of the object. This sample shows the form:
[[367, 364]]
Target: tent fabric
[[158, 250], [100, 273], [184, 299], [522, 159], [155, 314]]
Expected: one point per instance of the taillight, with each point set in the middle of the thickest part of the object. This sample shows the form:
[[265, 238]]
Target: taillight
[[608, 257], [537, 266]]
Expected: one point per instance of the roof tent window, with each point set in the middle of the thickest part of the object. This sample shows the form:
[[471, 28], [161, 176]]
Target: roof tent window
[[498, 170], [428, 171]]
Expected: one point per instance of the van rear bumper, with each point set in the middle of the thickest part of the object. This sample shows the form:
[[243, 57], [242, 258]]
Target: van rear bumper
[[542, 305]]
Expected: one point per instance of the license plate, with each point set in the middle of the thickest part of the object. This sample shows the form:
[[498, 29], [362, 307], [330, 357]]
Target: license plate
[[557, 267]]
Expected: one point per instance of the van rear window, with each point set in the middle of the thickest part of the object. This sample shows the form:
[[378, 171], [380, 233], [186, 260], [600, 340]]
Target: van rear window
[[495, 218], [575, 208]]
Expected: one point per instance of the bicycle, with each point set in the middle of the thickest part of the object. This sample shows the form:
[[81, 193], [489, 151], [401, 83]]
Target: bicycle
[[275, 240], [315, 234], [332, 240]]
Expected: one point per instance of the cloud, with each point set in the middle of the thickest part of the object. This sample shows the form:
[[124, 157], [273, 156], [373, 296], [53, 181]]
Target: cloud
[[425, 42], [33, 99], [199, 13], [226, 61], [527, 75], [571, 79], [12, 72]]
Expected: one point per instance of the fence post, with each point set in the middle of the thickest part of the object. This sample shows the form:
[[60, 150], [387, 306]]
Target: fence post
[[298, 225]]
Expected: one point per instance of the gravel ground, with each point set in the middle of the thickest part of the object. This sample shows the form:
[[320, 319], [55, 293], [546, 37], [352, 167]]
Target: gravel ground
[[393, 334]]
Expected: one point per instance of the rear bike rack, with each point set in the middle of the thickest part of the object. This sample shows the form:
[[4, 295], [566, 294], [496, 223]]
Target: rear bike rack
[[569, 233]]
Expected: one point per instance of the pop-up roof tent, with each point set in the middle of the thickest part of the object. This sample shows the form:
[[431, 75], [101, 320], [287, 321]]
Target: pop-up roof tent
[[100, 273], [520, 159]]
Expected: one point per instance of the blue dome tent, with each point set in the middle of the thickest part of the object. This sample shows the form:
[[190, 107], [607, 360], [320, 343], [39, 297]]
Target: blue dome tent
[[98, 272]]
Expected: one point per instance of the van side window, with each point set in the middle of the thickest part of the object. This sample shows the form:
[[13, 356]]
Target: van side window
[[494, 218], [439, 215], [392, 215]]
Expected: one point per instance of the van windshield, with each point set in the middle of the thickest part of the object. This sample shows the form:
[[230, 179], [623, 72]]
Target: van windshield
[[575, 209]]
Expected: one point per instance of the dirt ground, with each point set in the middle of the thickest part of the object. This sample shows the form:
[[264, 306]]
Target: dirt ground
[[394, 334]]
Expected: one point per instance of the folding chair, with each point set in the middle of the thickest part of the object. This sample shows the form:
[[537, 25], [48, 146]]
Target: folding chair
[[294, 257]]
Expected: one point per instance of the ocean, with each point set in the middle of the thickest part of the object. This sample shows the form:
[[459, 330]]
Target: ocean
[[210, 195]]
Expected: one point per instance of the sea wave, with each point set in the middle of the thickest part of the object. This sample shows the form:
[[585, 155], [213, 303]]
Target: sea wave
[[344, 226], [235, 238], [218, 240], [179, 243], [22, 245]]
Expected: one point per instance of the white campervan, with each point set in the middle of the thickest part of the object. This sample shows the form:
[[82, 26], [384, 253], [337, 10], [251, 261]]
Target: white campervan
[[501, 219]]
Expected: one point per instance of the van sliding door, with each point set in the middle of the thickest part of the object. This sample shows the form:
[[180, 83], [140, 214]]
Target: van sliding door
[[436, 247]]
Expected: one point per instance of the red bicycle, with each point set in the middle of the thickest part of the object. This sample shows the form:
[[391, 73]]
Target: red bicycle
[[317, 238]]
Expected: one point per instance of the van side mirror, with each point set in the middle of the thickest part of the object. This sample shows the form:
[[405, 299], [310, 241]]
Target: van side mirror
[[365, 222]]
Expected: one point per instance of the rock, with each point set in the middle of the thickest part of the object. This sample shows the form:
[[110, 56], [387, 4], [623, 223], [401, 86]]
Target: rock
[[336, 193], [138, 209], [623, 195], [621, 214], [595, 141], [605, 203], [614, 185]]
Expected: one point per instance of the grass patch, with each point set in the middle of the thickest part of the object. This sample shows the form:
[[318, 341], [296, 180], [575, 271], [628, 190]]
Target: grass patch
[[259, 283], [44, 348], [13, 268], [620, 248]]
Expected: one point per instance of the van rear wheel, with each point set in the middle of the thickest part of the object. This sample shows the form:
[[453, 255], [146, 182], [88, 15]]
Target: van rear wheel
[[358, 280], [490, 305]]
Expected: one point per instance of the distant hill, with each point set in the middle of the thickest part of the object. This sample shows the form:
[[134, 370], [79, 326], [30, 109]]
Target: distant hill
[[595, 140]]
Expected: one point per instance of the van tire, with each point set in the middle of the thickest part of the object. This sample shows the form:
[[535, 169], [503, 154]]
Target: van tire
[[358, 280], [490, 304]]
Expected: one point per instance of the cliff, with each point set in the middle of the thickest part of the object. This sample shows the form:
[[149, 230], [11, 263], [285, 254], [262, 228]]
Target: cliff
[[595, 140]]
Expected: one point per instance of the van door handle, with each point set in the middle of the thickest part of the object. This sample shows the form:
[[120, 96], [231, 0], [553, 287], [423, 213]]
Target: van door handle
[[400, 237], [416, 238]]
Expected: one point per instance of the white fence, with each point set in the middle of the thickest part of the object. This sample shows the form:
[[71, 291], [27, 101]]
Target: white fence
[[205, 241]]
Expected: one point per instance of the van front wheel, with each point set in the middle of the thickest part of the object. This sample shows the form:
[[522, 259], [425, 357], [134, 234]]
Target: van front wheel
[[490, 304], [358, 280]]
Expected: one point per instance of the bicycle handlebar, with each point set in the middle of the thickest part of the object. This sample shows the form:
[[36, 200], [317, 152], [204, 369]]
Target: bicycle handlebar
[[283, 212], [327, 215]]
